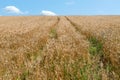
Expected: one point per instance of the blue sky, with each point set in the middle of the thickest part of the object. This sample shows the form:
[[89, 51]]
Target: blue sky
[[59, 7]]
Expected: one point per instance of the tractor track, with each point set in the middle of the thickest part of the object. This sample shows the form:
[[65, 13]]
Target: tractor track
[[80, 31], [38, 58], [103, 62]]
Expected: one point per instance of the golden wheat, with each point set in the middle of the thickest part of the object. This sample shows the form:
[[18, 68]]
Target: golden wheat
[[107, 30], [59, 48]]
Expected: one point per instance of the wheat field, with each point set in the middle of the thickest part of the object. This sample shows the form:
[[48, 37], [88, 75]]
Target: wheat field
[[60, 48]]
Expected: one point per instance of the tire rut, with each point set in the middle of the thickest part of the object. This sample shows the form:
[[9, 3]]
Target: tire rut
[[27, 55], [103, 62], [38, 59]]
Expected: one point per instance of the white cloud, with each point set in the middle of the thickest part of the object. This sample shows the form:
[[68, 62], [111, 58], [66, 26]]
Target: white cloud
[[48, 13], [13, 9]]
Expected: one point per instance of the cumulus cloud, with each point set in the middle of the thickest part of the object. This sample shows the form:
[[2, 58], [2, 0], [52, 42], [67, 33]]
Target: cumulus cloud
[[13, 9], [48, 13]]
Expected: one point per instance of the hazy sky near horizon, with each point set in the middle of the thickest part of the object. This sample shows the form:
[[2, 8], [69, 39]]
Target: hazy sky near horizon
[[59, 7]]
